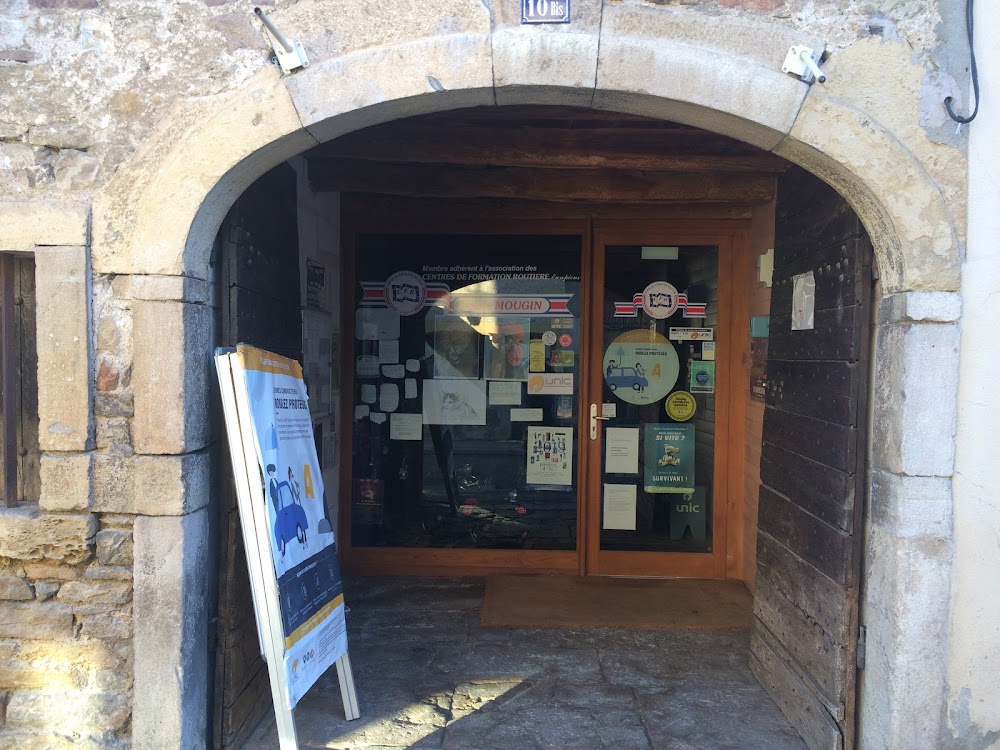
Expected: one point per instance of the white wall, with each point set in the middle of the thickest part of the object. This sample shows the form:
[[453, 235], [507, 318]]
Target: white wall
[[974, 655]]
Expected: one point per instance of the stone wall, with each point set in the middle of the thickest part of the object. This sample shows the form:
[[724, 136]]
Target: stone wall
[[123, 123]]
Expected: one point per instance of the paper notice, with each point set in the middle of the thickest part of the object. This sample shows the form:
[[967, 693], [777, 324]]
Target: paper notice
[[406, 427], [609, 410], [388, 398], [536, 356], [361, 411], [525, 415], [413, 365], [393, 371], [367, 366], [505, 392], [377, 417], [410, 388], [369, 393], [619, 507], [388, 352], [549, 456], [621, 450], [803, 301], [708, 350]]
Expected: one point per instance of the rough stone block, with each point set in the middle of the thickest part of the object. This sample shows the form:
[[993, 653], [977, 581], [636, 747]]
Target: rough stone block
[[170, 289], [108, 573], [531, 63], [86, 714], [116, 404], [114, 483], [61, 135], [171, 376], [172, 485], [912, 506], [114, 547], [65, 384], [106, 625], [93, 592], [19, 674], [75, 170], [916, 415], [47, 572], [429, 75], [28, 534], [170, 607], [66, 481], [906, 619], [14, 589], [24, 224], [45, 590], [702, 70], [920, 307], [34, 620]]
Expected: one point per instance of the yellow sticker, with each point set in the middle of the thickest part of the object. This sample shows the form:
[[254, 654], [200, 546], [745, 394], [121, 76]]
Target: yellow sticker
[[536, 356], [680, 405]]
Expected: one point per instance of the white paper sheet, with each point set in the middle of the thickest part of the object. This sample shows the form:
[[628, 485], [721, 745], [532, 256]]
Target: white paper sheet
[[505, 392], [361, 411], [549, 459], [803, 301], [621, 450], [388, 397], [376, 324], [377, 417], [525, 415], [609, 410], [406, 427], [388, 352], [369, 393], [455, 402], [619, 507], [413, 365], [410, 388], [393, 371]]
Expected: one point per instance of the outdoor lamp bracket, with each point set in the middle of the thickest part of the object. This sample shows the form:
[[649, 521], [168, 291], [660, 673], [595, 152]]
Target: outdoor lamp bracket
[[801, 61], [288, 56]]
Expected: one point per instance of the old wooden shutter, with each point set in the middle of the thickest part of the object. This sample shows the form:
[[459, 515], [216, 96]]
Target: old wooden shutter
[[805, 631], [258, 250]]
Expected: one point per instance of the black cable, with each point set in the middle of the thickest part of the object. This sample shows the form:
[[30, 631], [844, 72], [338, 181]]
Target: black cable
[[975, 74]]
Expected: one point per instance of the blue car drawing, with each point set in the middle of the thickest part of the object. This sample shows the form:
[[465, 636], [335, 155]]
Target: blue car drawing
[[290, 521], [625, 377]]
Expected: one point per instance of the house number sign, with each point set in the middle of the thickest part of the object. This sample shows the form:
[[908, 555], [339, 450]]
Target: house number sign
[[544, 11]]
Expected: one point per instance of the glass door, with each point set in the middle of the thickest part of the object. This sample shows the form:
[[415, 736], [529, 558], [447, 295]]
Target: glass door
[[658, 415]]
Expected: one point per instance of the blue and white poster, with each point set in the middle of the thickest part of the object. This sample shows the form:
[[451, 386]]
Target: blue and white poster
[[300, 535]]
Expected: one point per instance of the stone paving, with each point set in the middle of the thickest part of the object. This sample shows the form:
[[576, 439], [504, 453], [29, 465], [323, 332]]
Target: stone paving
[[428, 676]]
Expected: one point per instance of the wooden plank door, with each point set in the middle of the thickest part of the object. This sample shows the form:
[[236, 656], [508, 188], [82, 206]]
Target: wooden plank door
[[805, 630], [259, 253]]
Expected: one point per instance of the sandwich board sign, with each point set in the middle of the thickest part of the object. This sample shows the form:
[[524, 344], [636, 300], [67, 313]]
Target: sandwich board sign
[[291, 551]]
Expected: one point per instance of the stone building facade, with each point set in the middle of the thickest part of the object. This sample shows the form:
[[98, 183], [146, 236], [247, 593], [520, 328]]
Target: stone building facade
[[129, 127]]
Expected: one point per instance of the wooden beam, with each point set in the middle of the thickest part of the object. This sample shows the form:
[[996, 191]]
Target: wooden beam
[[560, 185], [686, 150]]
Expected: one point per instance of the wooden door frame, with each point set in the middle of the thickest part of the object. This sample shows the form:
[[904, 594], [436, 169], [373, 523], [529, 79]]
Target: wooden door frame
[[731, 237], [731, 234]]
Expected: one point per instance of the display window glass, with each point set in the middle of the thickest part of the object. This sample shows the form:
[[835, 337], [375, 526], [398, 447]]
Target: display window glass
[[466, 357]]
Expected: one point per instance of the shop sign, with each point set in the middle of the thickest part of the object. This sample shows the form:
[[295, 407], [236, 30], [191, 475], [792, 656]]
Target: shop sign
[[659, 300], [544, 11]]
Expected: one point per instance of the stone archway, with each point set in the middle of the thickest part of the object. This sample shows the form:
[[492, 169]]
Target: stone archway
[[155, 221]]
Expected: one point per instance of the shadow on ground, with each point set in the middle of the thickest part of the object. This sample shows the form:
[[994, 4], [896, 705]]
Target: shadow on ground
[[428, 676]]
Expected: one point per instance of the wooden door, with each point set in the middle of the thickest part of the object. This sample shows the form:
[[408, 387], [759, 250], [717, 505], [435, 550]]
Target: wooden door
[[805, 630], [259, 252], [642, 373]]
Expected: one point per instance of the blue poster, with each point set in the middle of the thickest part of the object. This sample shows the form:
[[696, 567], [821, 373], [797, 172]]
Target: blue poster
[[668, 454], [301, 539]]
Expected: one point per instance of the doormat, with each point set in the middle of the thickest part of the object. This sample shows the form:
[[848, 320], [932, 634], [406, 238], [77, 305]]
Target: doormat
[[600, 602]]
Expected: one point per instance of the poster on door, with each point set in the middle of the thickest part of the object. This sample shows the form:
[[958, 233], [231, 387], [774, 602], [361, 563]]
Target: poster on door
[[294, 532], [640, 366], [669, 458], [550, 457]]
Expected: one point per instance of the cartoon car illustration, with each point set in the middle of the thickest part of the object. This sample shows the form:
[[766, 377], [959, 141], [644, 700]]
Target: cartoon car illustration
[[290, 519], [625, 377]]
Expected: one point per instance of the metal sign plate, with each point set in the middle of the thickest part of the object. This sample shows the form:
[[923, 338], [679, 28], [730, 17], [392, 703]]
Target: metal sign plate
[[544, 11]]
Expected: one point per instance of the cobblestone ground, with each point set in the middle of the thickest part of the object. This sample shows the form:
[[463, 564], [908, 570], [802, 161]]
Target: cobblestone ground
[[428, 676]]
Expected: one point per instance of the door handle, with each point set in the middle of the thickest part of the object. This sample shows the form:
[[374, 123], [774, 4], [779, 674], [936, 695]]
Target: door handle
[[593, 421]]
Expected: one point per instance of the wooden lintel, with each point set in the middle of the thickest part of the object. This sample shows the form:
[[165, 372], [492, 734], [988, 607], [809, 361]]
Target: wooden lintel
[[558, 185], [686, 150]]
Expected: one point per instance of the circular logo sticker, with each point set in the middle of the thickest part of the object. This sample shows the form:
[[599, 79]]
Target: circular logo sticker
[[640, 366], [659, 300], [405, 292], [680, 406], [549, 338], [565, 340]]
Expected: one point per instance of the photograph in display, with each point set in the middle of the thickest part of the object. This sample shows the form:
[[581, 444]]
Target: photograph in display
[[458, 402], [505, 354], [457, 348]]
